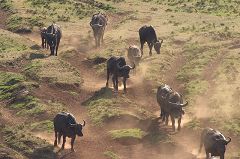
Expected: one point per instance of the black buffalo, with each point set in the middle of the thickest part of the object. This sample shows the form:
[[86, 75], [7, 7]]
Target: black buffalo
[[214, 143], [148, 34], [65, 125], [53, 36], [117, 67], [98, 24], [44, 37], [171, 103]]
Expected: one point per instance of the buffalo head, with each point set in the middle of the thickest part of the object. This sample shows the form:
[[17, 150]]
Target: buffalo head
[[220, 145], [124, 70], [178, 104], [157, 45], [78, 128]]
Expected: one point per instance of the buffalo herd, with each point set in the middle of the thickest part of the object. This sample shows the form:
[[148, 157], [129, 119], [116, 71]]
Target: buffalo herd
[[170, 101]]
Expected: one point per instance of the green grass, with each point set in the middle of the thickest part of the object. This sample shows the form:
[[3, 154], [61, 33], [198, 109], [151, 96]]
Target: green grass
[[127, 133], [32, 147], [6, 5], [17, 93], [102, 109], [7, 153], [216, 7], [197, 58], [54, 71], [232, 125], [101, 106], [66, 10], [39, 12], [158, 137], [45, 125], [13, 89], [16, 22], [196, 87], [111, 155], [9, 44], [194, 124]]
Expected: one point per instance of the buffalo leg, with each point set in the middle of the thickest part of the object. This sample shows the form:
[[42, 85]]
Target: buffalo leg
[[166, 121], [114, 82], [98, 40], [164, 118], [43, 43], [103, 34], [57, 44], [47, 45], [124, 84], [107, 77], [222, 156], [150, 45], [72, 142], [173, 122], [142, 44], [64, 140], [55, 141], [207, 155], [161, 114], [52, 50], [179, 123], [59, 137], [95, 37]]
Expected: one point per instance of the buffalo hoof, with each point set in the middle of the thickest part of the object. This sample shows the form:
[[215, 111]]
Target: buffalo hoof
[[72, 149]]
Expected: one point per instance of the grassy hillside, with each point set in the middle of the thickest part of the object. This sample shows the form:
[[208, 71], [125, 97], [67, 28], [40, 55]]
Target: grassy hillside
[[199, 58]]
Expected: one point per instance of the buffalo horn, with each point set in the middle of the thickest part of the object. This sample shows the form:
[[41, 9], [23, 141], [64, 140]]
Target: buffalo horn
[[84, 123], [176, 104], [133, 66], [229, 140], [72, 125], [92, 25]]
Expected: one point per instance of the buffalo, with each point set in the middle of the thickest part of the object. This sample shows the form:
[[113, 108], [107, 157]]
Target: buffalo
[[148, 34], [65, 125], [214, 143], [53, 36], [117, 67], [44, 37], [134, 54], [171, 103], [98, 24]]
